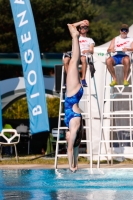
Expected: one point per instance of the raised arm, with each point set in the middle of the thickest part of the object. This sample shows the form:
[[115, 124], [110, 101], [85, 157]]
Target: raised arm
[[84, 22]]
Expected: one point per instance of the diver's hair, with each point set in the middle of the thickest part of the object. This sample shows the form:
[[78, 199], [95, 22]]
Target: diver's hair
[[79, 133]]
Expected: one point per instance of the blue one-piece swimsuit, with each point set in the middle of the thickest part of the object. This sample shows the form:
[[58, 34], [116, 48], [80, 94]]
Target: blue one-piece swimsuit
[[69, 102]]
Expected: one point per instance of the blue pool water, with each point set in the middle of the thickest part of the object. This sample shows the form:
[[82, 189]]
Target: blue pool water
[[61, 184]]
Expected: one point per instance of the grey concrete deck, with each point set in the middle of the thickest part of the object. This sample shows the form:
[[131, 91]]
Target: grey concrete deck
[[63, 166]]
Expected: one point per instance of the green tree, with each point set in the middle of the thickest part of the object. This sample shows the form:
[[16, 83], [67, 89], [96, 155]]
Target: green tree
[[51, 22], [53, 106], [8, 41], [52, 19], [19, 109], [102, 32]]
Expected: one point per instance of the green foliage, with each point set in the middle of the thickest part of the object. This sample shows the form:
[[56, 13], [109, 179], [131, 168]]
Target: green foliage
[[53, 106], [52, 28], [19, 109], [8, 40], [102, 32], [51, 19], [51, 23], [120, 11]]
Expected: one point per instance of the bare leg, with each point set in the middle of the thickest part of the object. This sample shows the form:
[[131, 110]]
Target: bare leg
[[73, 82], [74, 124], [126, 63], [66, 63], [84, 66], [110, 65], [73, 85]]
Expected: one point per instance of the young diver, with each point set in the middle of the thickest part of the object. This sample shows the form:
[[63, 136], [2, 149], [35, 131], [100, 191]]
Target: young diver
[[73, 118]]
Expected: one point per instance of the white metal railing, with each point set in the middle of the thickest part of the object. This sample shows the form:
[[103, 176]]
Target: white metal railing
[[110, 127]]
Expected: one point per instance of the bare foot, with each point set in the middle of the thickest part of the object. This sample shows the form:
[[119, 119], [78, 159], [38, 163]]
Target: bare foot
[[73, 30], [72, 169], [76, 168]]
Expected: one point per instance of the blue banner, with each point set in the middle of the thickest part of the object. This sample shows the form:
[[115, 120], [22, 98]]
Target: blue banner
[[31, 62], [0, 113]]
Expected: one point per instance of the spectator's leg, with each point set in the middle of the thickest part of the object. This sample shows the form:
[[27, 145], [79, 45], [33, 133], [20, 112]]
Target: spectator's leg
[[126, 63], [84, 67], [110, 66], [66, 63]]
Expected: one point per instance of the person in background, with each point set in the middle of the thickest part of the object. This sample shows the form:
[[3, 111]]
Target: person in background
[[122, 46], [86, 47]]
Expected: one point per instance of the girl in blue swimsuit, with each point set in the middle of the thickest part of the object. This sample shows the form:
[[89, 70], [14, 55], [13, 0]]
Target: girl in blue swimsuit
[[73, 118]]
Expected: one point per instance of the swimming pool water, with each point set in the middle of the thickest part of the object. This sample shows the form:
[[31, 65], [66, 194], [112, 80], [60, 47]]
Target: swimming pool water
[[61, 184]]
